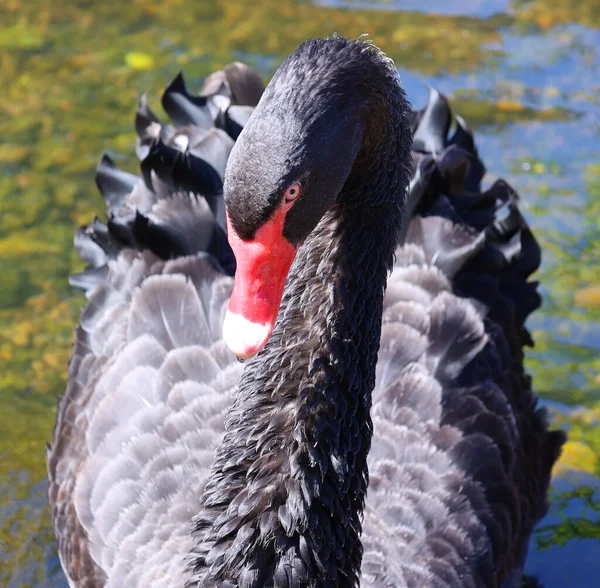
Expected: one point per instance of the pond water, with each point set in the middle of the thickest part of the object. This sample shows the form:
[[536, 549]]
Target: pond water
[[525, 75]]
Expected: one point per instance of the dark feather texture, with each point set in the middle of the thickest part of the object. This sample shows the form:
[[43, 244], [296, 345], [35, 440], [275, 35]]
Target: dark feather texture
[[424, 385], [182, 172]]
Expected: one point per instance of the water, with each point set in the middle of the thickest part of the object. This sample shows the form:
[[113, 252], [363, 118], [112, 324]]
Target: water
[[524, 74]]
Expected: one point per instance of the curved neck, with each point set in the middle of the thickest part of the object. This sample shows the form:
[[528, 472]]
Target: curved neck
[[284, 502]]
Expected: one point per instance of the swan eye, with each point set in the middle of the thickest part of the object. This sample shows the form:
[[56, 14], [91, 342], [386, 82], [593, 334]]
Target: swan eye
[[292, 193]]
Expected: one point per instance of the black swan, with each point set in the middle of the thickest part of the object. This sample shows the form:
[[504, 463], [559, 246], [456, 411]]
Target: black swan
[[173, 464]]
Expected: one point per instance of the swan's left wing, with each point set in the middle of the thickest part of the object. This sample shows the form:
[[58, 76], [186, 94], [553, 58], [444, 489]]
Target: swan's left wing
[[417, 510], [461, 457]]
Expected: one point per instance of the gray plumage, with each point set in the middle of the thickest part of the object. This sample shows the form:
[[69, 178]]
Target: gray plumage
[[459, 458]]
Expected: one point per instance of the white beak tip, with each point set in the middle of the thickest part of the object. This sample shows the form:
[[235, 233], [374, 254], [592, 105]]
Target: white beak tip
[[245, 338]]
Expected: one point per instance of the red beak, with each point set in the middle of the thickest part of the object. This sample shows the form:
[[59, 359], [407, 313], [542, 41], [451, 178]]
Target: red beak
[[262, 268]]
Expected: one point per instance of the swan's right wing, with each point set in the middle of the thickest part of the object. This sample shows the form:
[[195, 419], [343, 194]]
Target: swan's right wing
[[150, 379], [171, 210], [150, 382]]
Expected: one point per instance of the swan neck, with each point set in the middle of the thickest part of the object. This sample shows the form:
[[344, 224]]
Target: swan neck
[[288, 486]]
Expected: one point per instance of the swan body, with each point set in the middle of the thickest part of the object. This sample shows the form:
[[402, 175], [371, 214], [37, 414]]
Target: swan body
[[377, 439]]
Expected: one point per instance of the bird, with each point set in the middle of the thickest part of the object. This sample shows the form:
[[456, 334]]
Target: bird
[[301, 359]]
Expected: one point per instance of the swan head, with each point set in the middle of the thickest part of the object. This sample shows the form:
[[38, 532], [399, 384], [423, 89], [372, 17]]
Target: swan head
[[288, 167]]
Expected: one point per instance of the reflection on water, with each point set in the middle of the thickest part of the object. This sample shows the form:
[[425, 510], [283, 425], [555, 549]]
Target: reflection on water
[[523, 73], [480, 8]]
